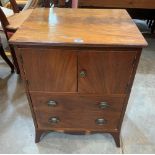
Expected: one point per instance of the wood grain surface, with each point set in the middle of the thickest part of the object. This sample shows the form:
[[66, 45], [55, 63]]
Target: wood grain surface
[[50, 70], [78, 58], [76, 112], [107, 72], [16, 20], [77, 103], [79, 27]]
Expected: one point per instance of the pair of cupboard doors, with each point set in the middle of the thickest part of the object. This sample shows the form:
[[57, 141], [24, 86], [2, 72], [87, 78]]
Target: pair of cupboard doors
[[85, 70]]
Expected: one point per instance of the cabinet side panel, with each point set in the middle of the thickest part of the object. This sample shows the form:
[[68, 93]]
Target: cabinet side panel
[[130, 83], [22, 73]]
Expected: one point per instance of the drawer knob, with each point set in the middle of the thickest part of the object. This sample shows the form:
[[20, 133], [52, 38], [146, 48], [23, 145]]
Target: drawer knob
[[54, 120], [103, 105], [83, 73], [51, 103], [100, 121]]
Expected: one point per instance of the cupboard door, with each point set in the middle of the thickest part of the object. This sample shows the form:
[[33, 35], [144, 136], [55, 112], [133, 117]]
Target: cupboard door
[[51, 70], [104, 72]]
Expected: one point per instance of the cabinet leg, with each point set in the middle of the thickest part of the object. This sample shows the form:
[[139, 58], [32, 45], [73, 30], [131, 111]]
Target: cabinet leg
[[116, 137], [14, 58], [38, 135]]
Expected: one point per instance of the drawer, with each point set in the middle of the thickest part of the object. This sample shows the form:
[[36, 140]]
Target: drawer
[[77, 112], [77, 121], [76, 103]]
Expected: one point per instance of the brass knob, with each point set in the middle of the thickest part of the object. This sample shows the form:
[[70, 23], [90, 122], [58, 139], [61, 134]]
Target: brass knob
[[83, 73], [100, 121], [54, 120], [52, 103], [103, 105]]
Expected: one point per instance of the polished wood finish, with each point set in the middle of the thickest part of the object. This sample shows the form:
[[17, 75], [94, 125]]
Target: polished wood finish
[[70, 106], [60, 29], [8, 18], [138, 9], [77, 74], [64, 64], [17, 20], [109, 66], [70, 100], [12, 23], [149, 4]]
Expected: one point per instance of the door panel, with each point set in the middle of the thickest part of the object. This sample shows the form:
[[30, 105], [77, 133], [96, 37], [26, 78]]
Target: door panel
[[105, 72], [52, 70]]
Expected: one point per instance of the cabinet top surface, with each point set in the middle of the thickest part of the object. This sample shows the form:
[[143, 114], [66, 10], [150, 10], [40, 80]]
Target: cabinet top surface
[[79, 27]]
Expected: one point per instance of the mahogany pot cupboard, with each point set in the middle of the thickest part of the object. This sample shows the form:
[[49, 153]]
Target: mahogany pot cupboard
[[78, 66]]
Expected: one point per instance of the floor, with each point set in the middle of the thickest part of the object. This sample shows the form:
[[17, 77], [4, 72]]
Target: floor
[[138, 129]]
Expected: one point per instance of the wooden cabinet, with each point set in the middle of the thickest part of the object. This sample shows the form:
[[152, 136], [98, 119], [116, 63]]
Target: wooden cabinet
[[78, 86], [78, 89]]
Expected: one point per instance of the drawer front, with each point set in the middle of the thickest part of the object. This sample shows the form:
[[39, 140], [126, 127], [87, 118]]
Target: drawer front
[[90, 121], [76, 103], [77, 111]]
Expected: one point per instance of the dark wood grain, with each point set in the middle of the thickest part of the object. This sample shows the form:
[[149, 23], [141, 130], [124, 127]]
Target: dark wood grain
[[58, 67], [132, 76], [83, 102], [76, 111], [22, 73], [70, 121], [107, 71]]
